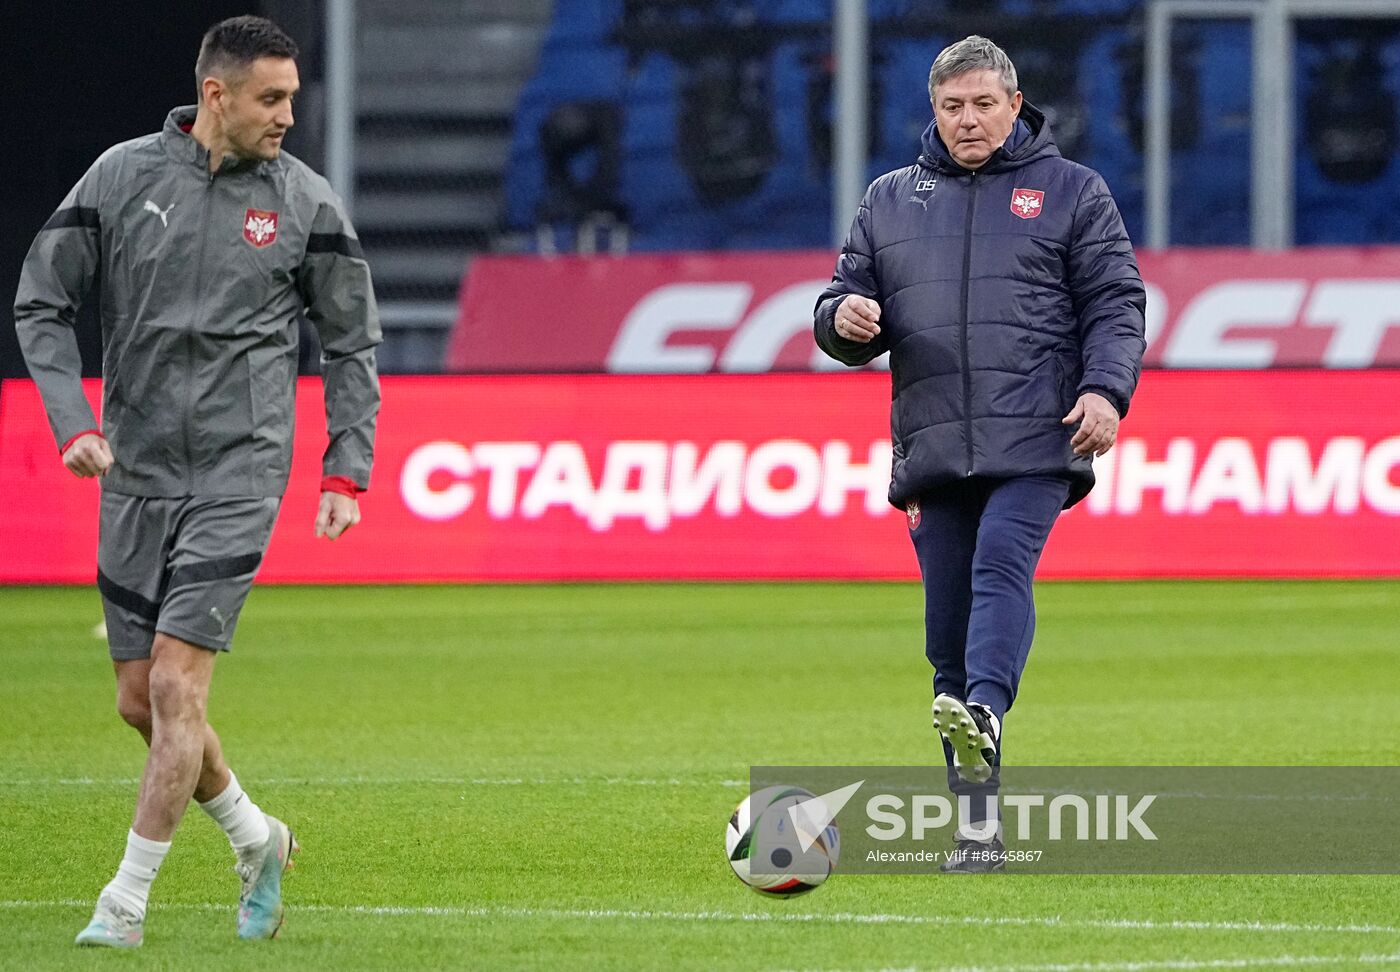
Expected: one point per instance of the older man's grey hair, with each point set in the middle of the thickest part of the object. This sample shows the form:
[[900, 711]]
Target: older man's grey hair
[[972, 53]]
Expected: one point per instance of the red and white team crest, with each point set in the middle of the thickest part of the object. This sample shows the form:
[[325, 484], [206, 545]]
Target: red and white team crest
[[260, 227], [916, 516], [1026, 203]]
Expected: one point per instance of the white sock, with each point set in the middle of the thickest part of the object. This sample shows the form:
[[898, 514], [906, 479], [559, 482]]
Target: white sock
[[132, 886], [240, 817]]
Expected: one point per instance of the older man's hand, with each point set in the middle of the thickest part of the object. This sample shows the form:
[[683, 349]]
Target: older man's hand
[[858, 319], [1098, 428]]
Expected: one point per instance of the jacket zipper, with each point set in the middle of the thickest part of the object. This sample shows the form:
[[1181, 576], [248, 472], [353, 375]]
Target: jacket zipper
[[190, 334], [966, 350]]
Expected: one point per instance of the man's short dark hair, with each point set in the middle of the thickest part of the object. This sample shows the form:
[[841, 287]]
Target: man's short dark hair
[[236, 43]]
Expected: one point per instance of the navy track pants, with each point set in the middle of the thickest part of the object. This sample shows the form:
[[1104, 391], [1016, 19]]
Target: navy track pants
[[978, 543]]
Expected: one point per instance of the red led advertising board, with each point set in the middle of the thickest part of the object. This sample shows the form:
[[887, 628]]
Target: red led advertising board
[[1248, 474], [679, 313]]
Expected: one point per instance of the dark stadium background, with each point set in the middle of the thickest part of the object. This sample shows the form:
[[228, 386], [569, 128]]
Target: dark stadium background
[[79, 78]]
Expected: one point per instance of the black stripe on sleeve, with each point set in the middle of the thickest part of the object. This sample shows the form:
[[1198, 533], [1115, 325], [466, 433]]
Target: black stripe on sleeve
[[123, 597], [211, 570], [74, 216], [335, 243]]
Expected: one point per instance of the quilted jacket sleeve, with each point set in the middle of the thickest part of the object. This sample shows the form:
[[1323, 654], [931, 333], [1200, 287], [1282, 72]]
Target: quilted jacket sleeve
[[855, 274], [1109, 298]]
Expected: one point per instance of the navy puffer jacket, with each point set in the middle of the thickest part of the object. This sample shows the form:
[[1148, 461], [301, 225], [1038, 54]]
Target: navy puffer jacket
[[1005, 294]]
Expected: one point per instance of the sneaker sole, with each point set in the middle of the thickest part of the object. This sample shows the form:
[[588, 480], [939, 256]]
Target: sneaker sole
[[955, 724], [292, 848], [105, 943]]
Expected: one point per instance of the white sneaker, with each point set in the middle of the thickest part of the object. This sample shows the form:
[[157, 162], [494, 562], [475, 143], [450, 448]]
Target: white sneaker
[[112, 926]]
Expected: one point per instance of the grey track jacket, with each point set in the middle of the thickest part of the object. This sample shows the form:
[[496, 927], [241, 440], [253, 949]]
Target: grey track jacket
[[203, 276]]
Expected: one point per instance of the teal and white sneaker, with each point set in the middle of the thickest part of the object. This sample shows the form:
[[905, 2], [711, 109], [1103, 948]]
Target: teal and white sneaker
[[260, 904], [112, 926], [974, 733]]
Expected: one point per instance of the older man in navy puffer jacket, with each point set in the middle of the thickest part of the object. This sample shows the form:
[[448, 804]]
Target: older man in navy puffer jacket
[[999, 277]]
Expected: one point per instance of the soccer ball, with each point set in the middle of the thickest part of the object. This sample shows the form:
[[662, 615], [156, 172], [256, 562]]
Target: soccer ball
[[762, 825]]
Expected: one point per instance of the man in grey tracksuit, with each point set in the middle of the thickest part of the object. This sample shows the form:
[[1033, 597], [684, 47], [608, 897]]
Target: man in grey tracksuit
[[209, 242]]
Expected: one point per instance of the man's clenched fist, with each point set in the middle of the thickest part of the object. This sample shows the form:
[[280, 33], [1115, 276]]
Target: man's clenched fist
[[858, 319], [337, 514], [89, 455]]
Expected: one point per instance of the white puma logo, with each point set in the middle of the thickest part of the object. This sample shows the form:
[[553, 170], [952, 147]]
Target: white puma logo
[[924, 185], [151, 207]]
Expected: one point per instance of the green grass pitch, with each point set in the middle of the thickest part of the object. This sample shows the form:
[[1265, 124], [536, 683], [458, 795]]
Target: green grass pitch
[[539, 777]]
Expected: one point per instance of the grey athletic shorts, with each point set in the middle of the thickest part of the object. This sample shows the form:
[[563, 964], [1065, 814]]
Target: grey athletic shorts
[[181, 567]]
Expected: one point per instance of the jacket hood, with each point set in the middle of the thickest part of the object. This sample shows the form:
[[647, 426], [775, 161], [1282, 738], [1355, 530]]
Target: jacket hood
[[1029, 140]]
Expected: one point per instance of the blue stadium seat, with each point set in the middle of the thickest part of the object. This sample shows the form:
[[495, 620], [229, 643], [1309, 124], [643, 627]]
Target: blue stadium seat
[[790, 206], [1333, 210]]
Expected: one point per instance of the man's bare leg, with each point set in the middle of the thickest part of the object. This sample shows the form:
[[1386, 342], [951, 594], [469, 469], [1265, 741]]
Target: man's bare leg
[[165, 698], [179, 694], [217, 790], [178, 690], [134, 706]]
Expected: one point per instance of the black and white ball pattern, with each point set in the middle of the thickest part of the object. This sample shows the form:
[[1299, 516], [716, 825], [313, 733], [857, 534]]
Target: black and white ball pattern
[[763, 846]]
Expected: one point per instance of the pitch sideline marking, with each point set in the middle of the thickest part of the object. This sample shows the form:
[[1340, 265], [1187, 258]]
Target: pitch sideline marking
[[608, 781], [407, 781], [838, 917], [1279, 961]]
